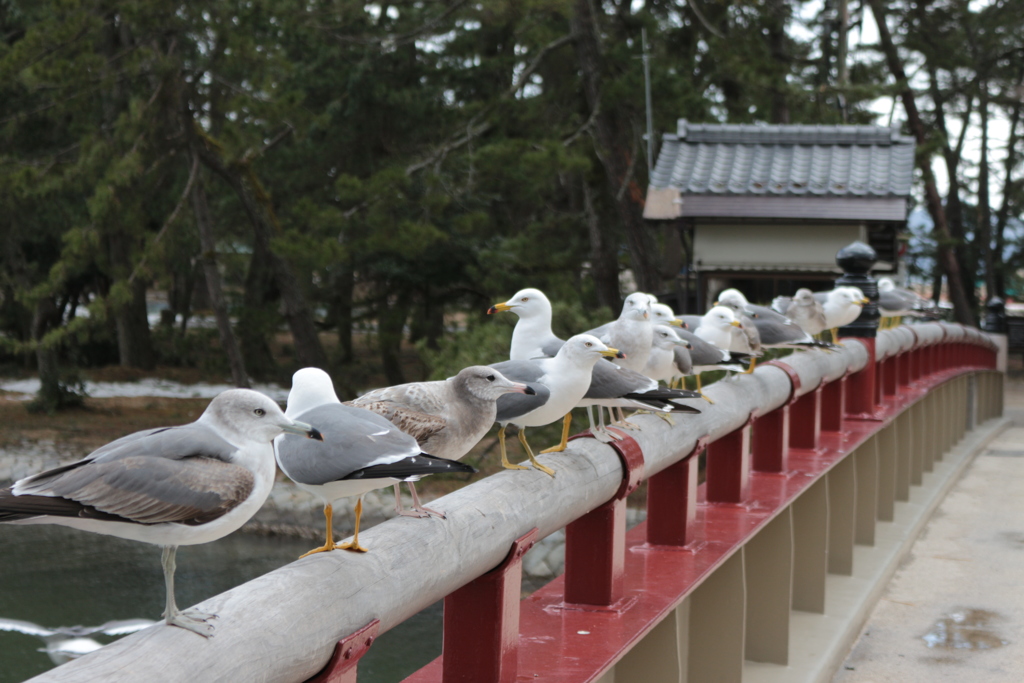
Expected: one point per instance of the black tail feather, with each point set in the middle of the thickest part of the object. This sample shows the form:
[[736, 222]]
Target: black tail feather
[[417, 466]]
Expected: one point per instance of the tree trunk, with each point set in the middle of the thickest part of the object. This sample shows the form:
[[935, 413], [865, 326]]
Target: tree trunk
[[201, 210], [953, 206], [240, 176], [390, 328], [1003, 215], [958, 294], [776, 14], [50, 395], [604, 266], [256, 322], [984, 229], [611, 143], [343, 290], [134, 343]]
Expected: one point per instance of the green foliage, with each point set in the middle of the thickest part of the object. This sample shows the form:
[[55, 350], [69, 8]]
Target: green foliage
[[417, 160]]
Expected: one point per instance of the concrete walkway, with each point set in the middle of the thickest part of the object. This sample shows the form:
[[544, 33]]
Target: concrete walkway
[[954, 611]]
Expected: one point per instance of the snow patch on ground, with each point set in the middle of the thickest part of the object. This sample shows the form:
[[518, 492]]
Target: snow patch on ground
[[144, 387]]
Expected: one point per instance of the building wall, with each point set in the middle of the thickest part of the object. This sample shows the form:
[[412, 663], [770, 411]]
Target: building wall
[[772, 246]]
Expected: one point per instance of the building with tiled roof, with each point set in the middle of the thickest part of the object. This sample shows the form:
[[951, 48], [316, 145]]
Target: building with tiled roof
[[766, 208]]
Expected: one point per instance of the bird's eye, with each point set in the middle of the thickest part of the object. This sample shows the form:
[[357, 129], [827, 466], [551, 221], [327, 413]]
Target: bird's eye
[[490, 378], [260, 412], [525, 299], [589, 344]]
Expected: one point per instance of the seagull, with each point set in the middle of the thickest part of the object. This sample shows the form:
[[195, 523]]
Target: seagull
[[774, 329], [168, 486], [803, 309], [895, 302], [446, 417], [65, 643], [664, 315], [841, 306], [716, 327], [362, 451], [670, 356], [720, 326], [560, 384], [631, 333], [705, 356], [611, 385]]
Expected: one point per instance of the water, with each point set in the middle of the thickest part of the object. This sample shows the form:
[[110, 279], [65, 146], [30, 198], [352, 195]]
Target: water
[[53, 576]]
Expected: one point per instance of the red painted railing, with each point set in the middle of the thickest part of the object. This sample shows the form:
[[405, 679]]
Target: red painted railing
[[618, 586], [770, 444]]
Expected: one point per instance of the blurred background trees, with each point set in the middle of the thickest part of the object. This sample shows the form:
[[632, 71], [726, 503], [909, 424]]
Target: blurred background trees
[[368, 177]]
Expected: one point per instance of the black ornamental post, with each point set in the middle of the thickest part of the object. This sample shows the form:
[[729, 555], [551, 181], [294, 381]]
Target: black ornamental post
[[862, 395], [857, 260]]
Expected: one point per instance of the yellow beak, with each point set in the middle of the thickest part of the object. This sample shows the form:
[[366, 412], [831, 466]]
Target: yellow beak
[[497, 308], [865, 300], [735, 323], [675, 322], [610, 352]]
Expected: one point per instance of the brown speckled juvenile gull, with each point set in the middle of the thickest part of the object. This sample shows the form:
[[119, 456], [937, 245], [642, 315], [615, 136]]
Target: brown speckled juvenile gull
[[803, 309], [447, 417]]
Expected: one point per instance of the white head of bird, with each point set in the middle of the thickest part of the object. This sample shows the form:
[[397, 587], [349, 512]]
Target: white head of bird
[[886, 284], [665, 337], [663, 314], [249, 415], [586, 350], [634, 301], [526, 303], [720, 317], [487, 383], [311, 387], [734, 298], [804, 297]]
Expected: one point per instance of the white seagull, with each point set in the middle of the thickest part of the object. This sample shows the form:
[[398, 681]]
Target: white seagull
[[560, 384], [361, 451], [168, 486]]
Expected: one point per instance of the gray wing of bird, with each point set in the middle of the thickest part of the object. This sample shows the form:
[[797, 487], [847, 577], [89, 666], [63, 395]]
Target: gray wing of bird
[[782, 304], [898, 300], [550, 347], [514, 405], [702, 352], [353, 439], [774, 332], [419, 425], [173, 474], [692, 321], [764, 313], [610, 381], [683, 360], [601, 330]]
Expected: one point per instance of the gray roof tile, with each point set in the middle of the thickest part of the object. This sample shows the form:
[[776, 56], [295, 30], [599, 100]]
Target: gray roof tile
[[800, 160]]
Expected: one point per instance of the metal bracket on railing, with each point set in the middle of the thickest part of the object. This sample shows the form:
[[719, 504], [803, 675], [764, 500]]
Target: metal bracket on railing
[[794, 379], [728, 465], [341, 667], [672, 501], [629, 453], [595, 544], [481, 621]]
